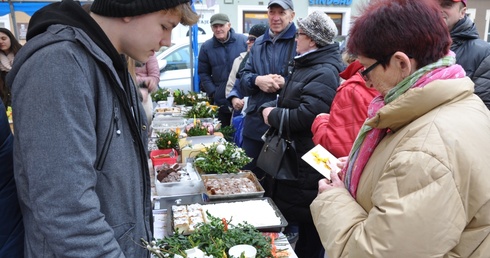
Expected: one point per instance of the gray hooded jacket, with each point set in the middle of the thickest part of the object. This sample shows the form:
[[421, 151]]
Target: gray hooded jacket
[[80, 156]]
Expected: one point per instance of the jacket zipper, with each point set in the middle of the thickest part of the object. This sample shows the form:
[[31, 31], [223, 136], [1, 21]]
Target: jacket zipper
[[107, 142]]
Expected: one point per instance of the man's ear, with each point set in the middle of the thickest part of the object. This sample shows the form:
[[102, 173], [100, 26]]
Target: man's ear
[[462, 11]]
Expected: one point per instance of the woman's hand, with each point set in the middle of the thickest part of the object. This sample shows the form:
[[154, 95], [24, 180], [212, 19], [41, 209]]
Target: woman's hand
[[342, 161], [265, 114], [325, 184]]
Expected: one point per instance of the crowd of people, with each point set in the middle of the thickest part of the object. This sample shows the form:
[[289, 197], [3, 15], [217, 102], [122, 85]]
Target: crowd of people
[[406, 112]]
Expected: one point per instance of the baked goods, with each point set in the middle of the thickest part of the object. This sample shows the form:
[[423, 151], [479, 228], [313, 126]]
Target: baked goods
[[226, 186], [187, 217], [169, 173]]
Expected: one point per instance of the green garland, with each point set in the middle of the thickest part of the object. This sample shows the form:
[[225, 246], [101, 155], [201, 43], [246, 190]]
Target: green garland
[[214, 238]]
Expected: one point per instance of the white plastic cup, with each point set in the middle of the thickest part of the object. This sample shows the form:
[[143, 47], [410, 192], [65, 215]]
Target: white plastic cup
[[237, 250], [170, 101]]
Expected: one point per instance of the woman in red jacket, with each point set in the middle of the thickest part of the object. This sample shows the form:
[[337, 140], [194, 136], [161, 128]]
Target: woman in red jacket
[[337, 131]]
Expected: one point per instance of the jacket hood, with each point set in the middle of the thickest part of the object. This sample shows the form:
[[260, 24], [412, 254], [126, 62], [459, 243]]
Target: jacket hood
[[352, 69], [68, 12], [329, 54], [464, 30]]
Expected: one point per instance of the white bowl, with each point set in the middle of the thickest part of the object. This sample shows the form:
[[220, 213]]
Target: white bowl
[[237, 250]]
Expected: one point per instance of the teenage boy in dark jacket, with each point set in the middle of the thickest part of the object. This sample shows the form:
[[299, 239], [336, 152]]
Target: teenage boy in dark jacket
[[80, 154]]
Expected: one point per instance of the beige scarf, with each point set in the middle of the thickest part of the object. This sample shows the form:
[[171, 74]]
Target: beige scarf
[[6, 61]]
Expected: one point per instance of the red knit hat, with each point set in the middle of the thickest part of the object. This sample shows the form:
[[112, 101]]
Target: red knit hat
[[462, 1]]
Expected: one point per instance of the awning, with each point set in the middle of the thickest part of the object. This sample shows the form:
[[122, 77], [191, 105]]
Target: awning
[[26, 7]]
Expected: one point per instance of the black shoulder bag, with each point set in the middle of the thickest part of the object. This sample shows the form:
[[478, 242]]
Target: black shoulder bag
[[278, 155]]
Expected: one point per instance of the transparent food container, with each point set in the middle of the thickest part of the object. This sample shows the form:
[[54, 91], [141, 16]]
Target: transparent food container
[[190, 183]]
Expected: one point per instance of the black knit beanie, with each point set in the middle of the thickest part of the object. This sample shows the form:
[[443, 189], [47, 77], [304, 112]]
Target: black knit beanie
[[257, 30], [127, 8]]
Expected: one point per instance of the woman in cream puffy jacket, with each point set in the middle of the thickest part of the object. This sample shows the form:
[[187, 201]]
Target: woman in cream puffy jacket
[[417, 180]]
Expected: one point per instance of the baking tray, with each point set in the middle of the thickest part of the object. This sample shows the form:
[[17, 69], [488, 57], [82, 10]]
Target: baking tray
[[246, 174], [263, 228]]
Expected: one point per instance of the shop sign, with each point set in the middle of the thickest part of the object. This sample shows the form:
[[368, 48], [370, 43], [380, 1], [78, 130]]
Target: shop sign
[[330, 2]]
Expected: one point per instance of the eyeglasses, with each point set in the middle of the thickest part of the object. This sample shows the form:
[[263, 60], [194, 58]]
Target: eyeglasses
[[364, 73], [299, 33], [251, 39]]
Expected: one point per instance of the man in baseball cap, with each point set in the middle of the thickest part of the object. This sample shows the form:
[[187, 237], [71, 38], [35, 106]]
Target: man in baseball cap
[[285, 4], [219, 18], [216, 60]]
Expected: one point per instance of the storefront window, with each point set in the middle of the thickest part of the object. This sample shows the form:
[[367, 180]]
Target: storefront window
[[250, 18], [337, 19]]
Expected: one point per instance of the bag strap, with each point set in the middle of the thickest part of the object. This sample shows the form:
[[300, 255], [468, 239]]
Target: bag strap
[[281, 123], [286, 118]]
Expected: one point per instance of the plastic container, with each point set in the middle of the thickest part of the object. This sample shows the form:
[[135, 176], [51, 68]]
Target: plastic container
[[163, 123], [189, 184], [171, 156], [191, 146]]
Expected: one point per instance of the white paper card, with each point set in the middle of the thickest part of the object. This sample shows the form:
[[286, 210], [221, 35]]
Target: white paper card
[[322, 160]]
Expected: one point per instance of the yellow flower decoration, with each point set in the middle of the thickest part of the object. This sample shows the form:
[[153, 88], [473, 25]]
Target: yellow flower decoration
[[9, 114], [319, 160]]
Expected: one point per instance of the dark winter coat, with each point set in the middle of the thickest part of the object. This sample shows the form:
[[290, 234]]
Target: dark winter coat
[[308, 92], [215, 63], [473, 54], [266, 57], [11, 227]]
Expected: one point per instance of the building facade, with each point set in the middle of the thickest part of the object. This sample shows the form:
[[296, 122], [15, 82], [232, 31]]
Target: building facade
[[479, 11], [246, 13]]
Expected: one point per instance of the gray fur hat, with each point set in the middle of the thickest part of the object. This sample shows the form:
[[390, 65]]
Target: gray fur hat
[[319, 27]]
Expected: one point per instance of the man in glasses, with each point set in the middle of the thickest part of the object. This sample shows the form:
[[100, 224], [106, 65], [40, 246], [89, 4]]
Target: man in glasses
[[472, 53], [216, 60]]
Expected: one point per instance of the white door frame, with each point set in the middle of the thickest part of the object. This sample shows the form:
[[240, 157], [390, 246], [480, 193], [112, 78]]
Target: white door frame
[[487, 26]]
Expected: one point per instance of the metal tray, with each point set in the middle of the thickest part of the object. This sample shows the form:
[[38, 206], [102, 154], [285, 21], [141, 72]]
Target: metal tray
[[267, 228], [246, 174]]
